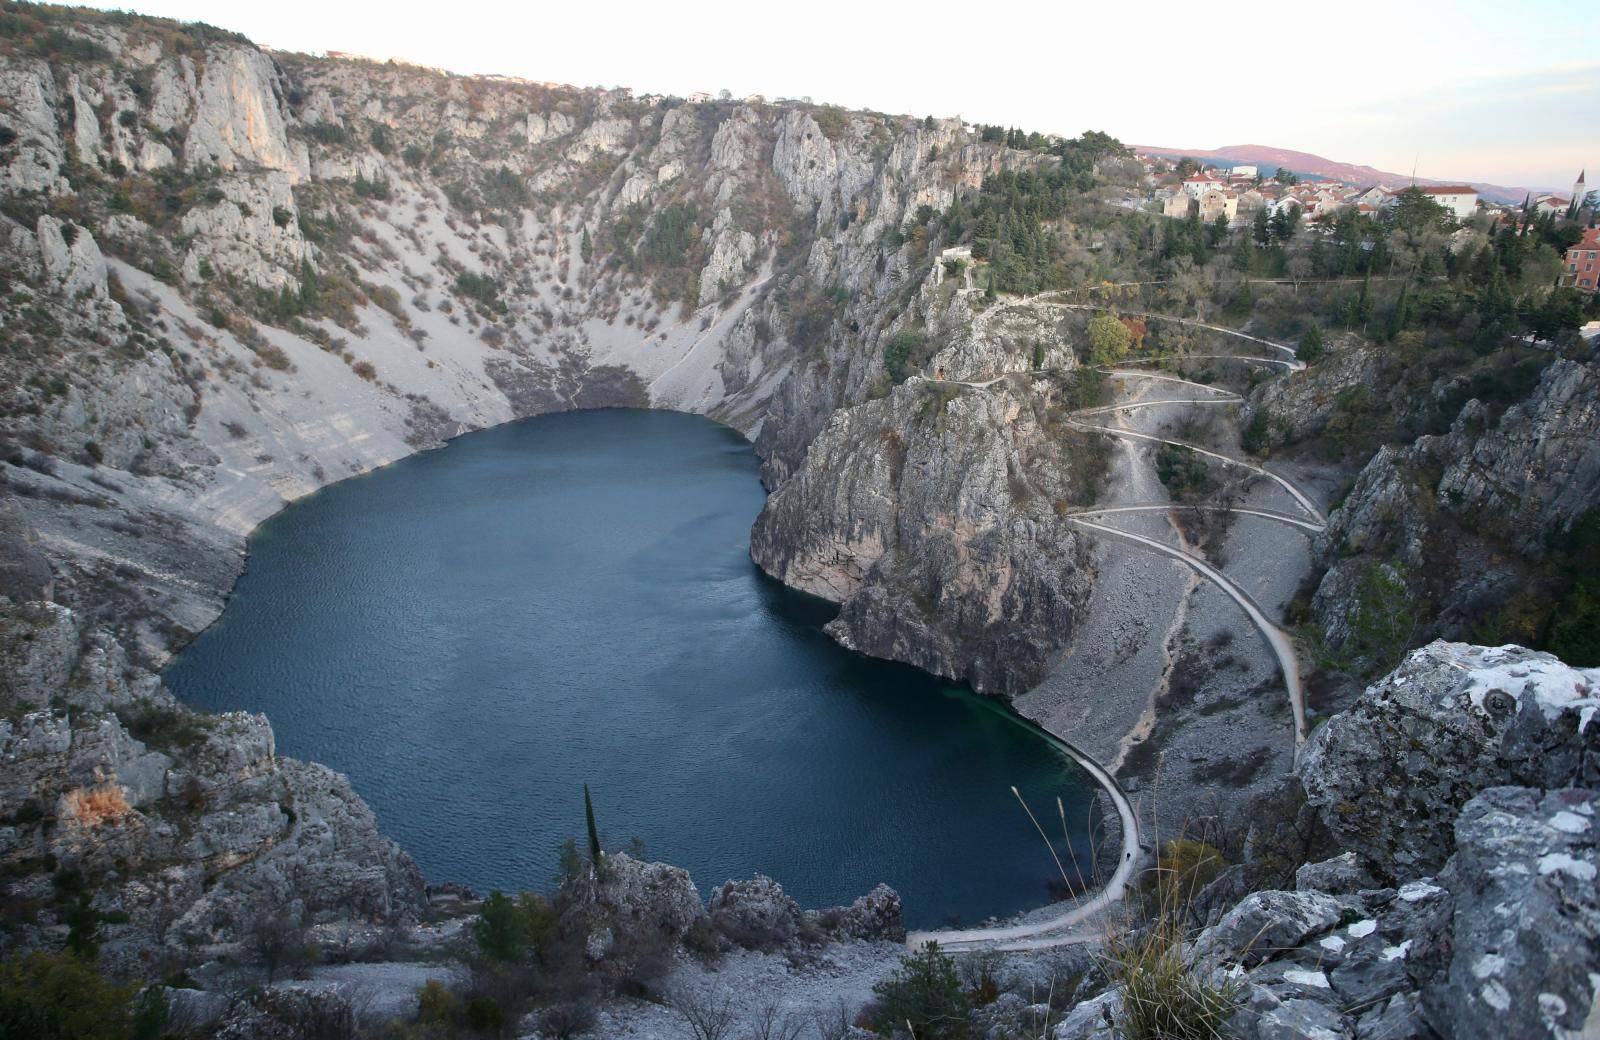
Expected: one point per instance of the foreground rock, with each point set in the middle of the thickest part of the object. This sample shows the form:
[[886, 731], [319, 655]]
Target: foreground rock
[[1389, 776], [1465, 902]]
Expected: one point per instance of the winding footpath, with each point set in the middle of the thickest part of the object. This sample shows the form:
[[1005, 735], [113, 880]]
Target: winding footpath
[[1309, 526], [1063, 929], [1280, 641], [1027, 936], [1299, 496]]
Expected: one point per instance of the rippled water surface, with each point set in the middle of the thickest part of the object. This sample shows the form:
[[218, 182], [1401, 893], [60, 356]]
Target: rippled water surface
[[473, 633]]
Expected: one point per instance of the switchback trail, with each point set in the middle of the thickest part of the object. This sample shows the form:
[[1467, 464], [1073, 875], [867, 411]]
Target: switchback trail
[[1281, 643], [1062, 929], [1166, 507], [1026, 936], [1299, 496]]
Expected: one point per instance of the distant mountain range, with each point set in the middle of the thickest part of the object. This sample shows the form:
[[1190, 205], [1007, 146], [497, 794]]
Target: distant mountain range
[[1305, 162]]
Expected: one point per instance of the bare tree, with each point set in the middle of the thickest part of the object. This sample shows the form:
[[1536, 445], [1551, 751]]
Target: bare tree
[[773, 1023], [276, 941], [566, 1020], [834, 1023], [709, 1016], [1299, 267]]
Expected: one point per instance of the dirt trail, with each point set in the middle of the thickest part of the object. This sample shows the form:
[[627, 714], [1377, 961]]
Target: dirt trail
[[1064, 929]]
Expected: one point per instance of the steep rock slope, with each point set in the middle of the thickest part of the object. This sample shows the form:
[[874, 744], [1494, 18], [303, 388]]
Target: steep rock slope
[[1482, 523]]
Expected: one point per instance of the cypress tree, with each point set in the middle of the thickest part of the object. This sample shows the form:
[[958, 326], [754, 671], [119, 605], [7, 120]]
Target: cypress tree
[[594, 833]]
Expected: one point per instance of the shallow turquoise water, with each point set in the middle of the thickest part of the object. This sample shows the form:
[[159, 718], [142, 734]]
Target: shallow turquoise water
[[473, 633]]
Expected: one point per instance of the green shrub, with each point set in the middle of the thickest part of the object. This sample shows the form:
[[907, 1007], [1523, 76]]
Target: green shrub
[[484, 1015], [1575, 627], [437, 1005], [899, 352], [926, 992], [162, 727], [506, 929], [482, 288], [58, 996], [1183, 472], [1257, 436], [1310, 347], [1384, 624], [1109, 339]]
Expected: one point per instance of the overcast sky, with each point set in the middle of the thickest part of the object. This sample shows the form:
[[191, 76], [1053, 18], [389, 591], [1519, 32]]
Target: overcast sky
[[1503, 92]]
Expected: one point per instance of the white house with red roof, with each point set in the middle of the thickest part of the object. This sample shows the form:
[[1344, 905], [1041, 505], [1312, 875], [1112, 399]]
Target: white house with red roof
[[1197, 184], [1460, 199]]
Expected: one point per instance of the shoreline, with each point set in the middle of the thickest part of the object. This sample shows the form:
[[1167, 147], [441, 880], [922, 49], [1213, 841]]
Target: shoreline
[[1103, 785]]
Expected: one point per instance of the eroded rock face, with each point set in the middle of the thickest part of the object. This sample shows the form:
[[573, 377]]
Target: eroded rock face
[[239, 115], [1465, 515], [251, 233], [929, 516], [874, 916], [632, 908], [1538, 468], [756, 913], [1389, 776]]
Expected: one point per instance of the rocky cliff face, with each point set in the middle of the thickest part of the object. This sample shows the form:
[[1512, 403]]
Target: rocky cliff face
[[931, 516], [270, 272], [1478, 522]]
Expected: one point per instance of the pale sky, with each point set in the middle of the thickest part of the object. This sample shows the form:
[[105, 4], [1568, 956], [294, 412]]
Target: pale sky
[[1507, 92]]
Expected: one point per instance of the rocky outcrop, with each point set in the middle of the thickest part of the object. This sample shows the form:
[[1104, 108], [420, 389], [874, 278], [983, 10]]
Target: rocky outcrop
[[1525, 946], [930, 517], [1537, 469], [1389, 776], [239, 116], [252, 232], [630, 909], [1479, 915], [1468, 517], [184, 830]]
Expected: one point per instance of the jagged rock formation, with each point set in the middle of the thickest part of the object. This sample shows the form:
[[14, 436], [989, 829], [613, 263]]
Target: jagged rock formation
[[1389, 775], [177, 831], [1462, 789]]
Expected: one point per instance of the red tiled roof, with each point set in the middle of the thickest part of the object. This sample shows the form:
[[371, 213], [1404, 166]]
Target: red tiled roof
[[1450, 189]]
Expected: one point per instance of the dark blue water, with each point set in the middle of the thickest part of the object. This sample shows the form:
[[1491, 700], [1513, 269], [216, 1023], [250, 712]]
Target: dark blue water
[[474, 633]]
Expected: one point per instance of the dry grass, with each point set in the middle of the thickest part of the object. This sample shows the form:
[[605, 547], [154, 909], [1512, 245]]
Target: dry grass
[[93, 806], [1164, 997]]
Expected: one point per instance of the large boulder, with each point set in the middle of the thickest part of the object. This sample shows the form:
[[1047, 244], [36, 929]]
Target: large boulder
[[1265, 922], [1526, 936], [757, 914], [876, 915], [632, 909], [1389, 776], [24, 569]]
